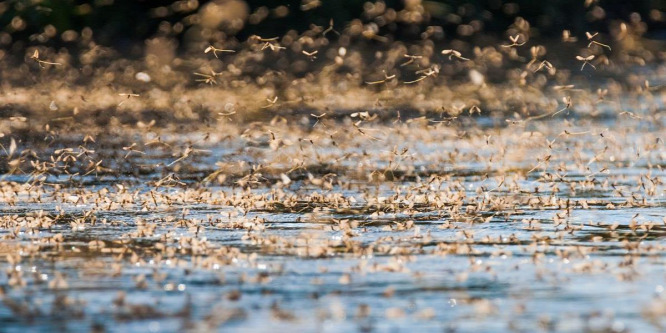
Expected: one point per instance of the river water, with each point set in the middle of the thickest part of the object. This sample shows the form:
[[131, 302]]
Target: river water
[[419, 225]]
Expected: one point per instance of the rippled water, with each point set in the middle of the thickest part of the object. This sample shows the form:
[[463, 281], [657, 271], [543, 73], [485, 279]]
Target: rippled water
[[451, 227]]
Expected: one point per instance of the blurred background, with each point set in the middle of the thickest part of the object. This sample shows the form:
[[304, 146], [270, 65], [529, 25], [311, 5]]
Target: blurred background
[[126, 24]]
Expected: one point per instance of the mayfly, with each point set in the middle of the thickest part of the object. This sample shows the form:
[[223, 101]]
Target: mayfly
[[432, 71], [330, 29], [474, 109], [547, 65], [454, 54], [275, 47], [566, 37], [412, 58], [535, 51], [208, 78], [271, 102], [318, 117], [566, 87], [128, 95], [386, 79], [514, 41], [35, 56], [590, 37], [213, 49], [130, 149], [311, 55], [567, 105], [586, 61], [226, 114], [269, 43]]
